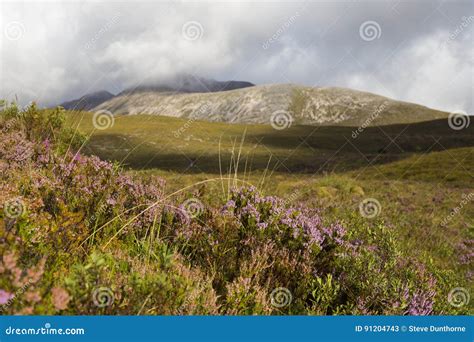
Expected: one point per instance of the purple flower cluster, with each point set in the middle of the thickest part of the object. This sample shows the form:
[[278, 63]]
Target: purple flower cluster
[[80, 183], [15, 148], [466, 251], [418, 301], [5, 297], [421, 303], [268, 212], [241, 252]]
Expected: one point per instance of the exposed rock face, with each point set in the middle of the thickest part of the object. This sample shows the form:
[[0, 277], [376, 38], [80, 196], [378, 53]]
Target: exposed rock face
[[179, 84], [262, 104]]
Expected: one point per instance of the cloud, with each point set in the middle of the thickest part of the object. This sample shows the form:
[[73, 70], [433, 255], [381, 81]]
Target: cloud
[[430, 70], [423, 52]]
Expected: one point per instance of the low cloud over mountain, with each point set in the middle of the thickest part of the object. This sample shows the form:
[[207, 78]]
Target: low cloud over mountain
[[417, 51]]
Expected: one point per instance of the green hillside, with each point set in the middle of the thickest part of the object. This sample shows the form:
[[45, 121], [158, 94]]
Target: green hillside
[[419, 171], [147, 142]]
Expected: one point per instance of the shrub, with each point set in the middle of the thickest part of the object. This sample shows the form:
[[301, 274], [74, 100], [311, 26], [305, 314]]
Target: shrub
[[82, 236]]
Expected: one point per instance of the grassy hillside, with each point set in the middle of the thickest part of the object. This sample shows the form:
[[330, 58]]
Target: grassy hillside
[[451, 167], [421, 170], [146, 141], [338, 227]]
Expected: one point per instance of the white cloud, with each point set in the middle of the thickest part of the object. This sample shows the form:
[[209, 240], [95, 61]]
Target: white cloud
[[67, 49], [430, 71]]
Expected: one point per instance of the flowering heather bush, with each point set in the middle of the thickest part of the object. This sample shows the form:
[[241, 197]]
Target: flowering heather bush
[[256, 244], [81, 236]]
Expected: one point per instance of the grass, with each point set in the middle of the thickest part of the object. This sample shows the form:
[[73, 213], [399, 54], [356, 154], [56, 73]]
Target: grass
[[165, 230], [419, 172], [148, 142]]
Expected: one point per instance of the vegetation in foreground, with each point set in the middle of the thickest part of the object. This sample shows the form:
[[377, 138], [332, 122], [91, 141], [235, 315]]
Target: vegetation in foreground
[[82, 236]]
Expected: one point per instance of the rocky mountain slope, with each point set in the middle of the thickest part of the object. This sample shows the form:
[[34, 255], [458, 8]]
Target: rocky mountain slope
[[280, 104], [184, 83], [88, 101]]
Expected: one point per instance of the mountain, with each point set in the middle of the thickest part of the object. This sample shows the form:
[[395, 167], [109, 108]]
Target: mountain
[[188, 84], [88, 101], [277, 103], [179, 84]]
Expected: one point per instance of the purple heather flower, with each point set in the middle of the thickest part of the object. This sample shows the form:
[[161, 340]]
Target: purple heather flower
[[421, 303], [229, 206], [111, 201], [47, 144], [5, 297], [252, 209]]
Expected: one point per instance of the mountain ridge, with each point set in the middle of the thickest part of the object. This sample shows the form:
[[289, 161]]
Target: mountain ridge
[[200, 85], [180, 84], [267, 104], [198, 98], [88, 101]]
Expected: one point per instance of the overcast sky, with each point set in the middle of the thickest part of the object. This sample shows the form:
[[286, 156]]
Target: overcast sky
[[417, 51]]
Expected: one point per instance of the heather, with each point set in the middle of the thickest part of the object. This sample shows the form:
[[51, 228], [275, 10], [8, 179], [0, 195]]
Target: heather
[[81, 235]]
